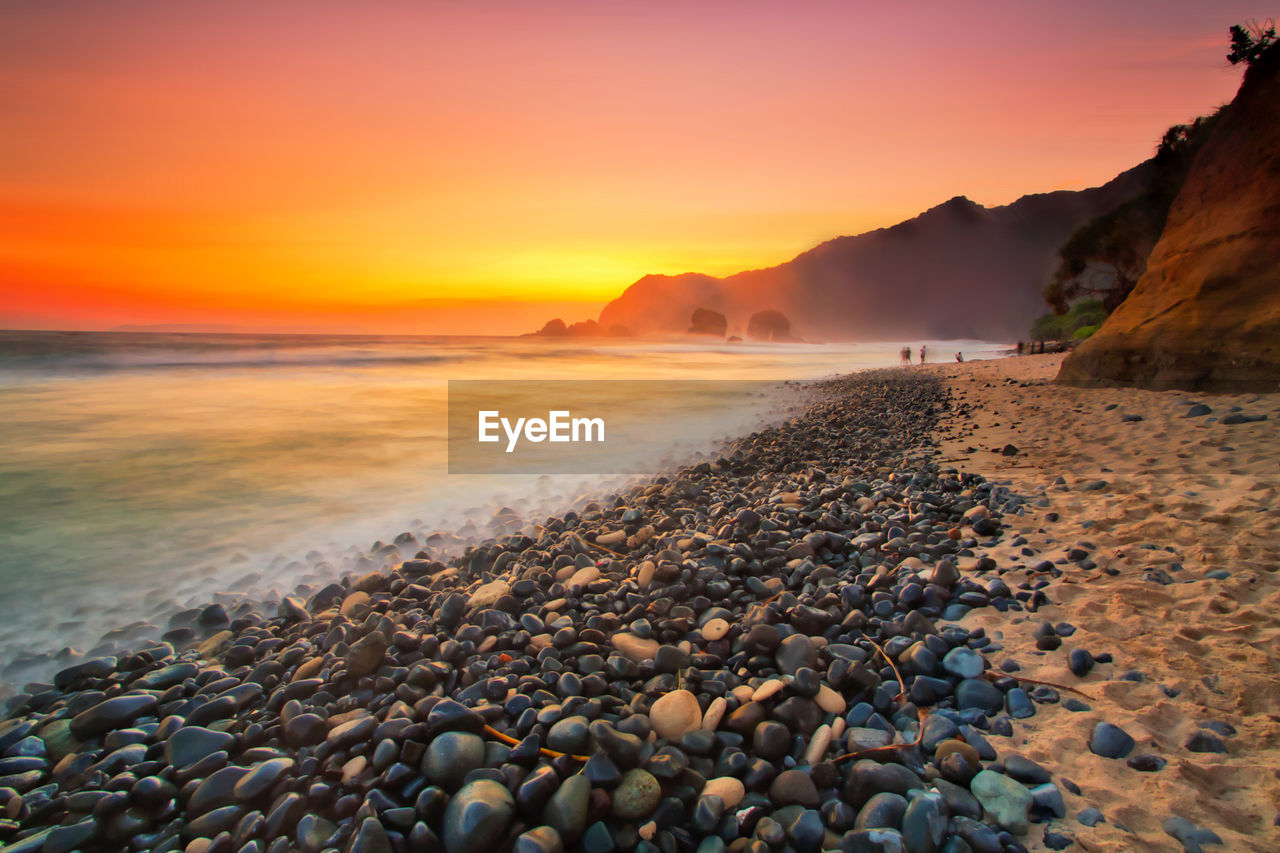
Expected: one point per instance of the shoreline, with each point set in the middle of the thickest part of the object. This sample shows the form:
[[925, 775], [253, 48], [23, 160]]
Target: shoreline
[[406, 675], [138, 519]]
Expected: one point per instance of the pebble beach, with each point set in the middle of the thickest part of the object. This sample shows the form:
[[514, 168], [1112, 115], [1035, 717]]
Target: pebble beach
[[947, 608]]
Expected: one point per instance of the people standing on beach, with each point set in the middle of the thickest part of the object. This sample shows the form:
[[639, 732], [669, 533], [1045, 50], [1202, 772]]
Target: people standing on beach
[[905, 352], [1019, 347], [960, 357], [922, 353]]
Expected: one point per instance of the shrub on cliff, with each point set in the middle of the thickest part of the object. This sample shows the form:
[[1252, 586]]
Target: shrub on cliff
[[1105, 257], [1251, 41], [1085, 314]]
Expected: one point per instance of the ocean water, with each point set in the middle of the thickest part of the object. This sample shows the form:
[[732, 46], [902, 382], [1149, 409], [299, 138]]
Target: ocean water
[[145, 473]]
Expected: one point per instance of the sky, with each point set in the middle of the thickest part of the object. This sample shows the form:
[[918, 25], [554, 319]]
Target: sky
[[479, 166]]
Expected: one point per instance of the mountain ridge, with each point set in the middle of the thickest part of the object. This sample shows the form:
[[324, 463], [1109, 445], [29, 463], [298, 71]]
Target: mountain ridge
[[958, 269]]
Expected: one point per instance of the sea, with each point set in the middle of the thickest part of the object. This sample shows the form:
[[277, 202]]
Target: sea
[[146, 473]]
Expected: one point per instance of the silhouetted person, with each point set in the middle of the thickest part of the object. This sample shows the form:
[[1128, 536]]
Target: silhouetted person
[[1019, 347], [905, 352], [922, 354], [960, 357]]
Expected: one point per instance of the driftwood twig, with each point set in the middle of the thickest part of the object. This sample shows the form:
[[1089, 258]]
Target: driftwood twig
[[549, 753]]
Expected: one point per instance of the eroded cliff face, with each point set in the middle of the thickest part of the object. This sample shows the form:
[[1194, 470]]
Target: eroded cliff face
[[1206, 314]]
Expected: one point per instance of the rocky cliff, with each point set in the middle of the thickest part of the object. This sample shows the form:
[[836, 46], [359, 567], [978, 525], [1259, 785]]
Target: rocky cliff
[[1206, 314], [958, 270]]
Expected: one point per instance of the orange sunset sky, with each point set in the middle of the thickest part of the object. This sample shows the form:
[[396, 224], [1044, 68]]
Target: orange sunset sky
[[470, 166]]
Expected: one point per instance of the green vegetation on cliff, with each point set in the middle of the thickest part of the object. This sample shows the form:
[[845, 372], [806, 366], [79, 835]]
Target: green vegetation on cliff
[[1077, 323], [1107, 255]]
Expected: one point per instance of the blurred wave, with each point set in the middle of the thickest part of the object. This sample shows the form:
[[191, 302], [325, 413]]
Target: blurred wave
[[141, 473]]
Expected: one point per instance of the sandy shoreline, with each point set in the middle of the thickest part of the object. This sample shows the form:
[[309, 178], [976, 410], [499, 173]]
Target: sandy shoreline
[[1179, 491]]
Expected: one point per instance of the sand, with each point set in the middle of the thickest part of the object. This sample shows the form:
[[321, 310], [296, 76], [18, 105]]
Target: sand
[[1183, 497]]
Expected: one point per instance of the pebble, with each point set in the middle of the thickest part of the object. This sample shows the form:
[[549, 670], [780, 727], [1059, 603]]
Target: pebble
[[1145, 762], [189, 744], [829, 700], [819, 743], [598, 839], [477, 816], [451, 756], [1025, 770], [539, 839], [795, 652], [883, 811], [637, 649], [566, 811], [1110, 741], [637, 796], [569, 735], [793, 787], [1090, 817], [1080, 662], [771, 741], [1019, 704], [1007, 800], [260, 779], [979, 694], [366, 655], [1205, 742], [388, 705], [924, 826], [1057, 840], [963, 663], [860, 738], [1189, 835], [727, 788], [768, 690], [715, 629], [111, 714], [1046, 801], [370, 837], [714, 713], [674, 714]]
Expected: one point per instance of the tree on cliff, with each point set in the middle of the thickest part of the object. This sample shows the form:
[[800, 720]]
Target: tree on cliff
[[1250, 41]]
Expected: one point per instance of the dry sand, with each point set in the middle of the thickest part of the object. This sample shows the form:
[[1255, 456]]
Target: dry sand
[[1183, 497]]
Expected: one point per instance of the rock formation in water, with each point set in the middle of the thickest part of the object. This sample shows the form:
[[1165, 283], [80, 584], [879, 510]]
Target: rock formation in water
[[958, 270], [586, 329], [769, 326], [707, 322], [1206, 314]]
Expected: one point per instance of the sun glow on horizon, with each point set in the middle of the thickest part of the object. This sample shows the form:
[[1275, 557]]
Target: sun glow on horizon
[[238, 162]]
